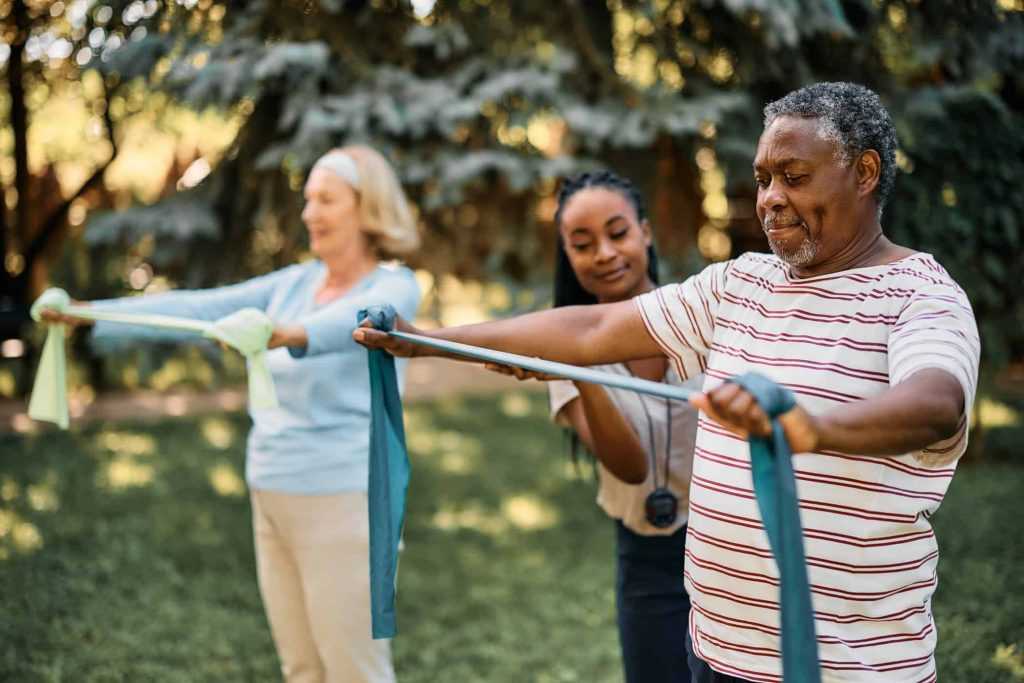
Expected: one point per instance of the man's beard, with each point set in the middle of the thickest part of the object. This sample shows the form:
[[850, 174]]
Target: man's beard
[[801, 255]]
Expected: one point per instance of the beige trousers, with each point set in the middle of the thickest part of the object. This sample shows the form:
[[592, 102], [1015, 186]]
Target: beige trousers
[[312, 557]]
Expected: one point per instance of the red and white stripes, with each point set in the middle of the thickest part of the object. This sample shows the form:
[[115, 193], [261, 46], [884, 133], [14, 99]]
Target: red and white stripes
[[871, 553]]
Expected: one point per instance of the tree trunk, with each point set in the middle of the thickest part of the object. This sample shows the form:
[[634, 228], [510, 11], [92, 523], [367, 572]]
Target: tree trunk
[[19, 119], [14, 285]]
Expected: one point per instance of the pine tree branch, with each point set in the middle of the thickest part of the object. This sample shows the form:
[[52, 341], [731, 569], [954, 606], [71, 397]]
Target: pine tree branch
[[591, 55]]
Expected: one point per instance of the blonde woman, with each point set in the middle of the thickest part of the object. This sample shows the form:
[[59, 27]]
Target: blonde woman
[[307, 459]]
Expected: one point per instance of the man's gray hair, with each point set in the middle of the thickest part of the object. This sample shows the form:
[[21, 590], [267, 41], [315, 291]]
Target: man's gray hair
[[852, 117]]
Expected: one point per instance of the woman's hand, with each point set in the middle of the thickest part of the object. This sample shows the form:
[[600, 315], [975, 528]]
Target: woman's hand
[[53, 316], [372, 338], [520, 373], [735, 408], [288, 335]]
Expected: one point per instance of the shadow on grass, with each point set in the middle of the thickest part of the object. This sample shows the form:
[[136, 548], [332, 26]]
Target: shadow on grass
[[122, 562], [126, 555]]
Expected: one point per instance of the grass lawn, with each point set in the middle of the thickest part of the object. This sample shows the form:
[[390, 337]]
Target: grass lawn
[[126, 555]]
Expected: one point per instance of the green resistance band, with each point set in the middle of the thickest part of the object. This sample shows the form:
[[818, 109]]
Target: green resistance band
[[771, 469], [247, 331]]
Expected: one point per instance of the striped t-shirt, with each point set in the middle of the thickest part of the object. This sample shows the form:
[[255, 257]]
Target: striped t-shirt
[[871, 552]]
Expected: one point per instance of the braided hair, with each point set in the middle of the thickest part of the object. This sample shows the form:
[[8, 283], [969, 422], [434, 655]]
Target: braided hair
[[568, 290]]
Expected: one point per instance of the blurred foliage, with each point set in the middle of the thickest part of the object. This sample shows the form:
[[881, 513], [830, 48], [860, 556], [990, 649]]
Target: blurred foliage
[[961, 202], [482, 104], [126, 555]]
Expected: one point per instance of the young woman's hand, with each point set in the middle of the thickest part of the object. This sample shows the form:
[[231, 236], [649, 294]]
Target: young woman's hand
[[520, 373], [372, 338]]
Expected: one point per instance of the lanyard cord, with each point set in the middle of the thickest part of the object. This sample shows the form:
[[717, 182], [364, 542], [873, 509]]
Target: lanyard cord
[[668, 438]]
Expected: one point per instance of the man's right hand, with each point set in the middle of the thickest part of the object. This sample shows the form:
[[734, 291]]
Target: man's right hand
[[372, 338]]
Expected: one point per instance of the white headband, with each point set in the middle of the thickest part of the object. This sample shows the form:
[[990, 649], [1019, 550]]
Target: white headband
[[341, 165]]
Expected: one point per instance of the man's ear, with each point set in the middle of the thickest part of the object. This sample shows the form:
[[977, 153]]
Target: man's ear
[[869, 172]]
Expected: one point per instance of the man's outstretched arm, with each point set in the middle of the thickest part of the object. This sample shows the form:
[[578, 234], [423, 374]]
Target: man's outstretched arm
[[580, 335]]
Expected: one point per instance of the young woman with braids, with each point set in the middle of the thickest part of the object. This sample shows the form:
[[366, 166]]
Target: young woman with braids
[[643, 445]]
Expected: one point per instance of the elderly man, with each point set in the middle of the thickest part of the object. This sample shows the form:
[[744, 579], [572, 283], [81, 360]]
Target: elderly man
[[880, 347]]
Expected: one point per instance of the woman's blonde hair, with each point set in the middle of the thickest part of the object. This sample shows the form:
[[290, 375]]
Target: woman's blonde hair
[[387, 220]]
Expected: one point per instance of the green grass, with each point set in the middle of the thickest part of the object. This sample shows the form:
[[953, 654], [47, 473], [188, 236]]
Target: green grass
[[126, 555]]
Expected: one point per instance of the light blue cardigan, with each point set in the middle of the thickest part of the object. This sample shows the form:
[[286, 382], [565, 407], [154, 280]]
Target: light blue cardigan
[[317, 440]]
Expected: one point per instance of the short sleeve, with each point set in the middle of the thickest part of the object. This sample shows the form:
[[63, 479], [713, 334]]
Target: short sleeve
[[681, 317], [937, 329], [561, 393]]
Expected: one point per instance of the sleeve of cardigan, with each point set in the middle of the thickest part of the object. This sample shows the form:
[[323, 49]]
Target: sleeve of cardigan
[[204, 304], [329, 328]]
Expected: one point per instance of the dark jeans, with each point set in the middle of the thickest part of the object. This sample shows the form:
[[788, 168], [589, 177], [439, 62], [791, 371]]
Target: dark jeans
[[653, 607], [702, 673]]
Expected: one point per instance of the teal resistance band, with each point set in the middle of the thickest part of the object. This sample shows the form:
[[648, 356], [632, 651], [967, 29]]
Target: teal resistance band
[[772, 472], [775, 488], [388, 479], [549, 367]]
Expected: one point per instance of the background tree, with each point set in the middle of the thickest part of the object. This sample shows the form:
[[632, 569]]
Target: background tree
[[484, 103], [40, 42]]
